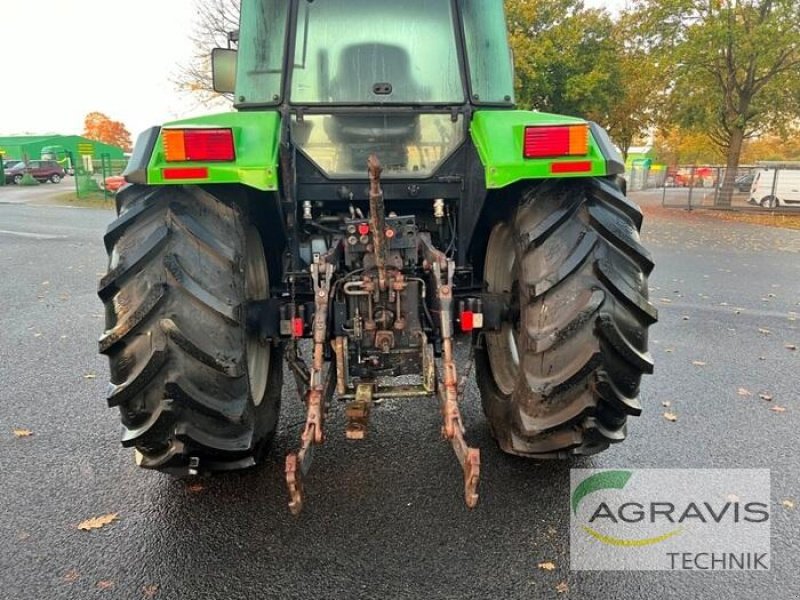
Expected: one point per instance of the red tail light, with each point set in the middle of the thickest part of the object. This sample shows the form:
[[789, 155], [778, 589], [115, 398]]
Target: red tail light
[[202, 145], [552, 141]]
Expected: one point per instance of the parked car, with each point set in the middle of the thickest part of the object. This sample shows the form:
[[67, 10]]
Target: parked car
[[112, 183], [698, 177], [769, 192], [41, 170], [743, 183]]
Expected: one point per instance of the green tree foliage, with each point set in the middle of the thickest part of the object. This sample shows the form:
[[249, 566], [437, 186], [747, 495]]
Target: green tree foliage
[[733, 67], [565, 57], [640, 97], [577, 61]]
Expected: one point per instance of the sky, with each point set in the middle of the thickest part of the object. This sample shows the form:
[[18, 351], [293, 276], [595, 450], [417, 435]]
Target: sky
[[66, 58]]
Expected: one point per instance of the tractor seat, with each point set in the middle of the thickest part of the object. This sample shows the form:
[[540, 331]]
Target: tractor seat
[[374, 73]]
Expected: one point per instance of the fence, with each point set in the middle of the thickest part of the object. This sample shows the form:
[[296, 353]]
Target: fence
[[90, 176], [769, 185]]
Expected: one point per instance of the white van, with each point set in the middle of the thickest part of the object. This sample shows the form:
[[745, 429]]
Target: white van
[[769, 193]]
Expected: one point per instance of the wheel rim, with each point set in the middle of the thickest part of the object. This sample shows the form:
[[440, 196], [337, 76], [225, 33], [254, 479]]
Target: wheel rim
[[500, 276], [17, 179], [256, 284]]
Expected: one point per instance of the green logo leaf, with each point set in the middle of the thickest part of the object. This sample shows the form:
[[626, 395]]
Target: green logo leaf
[[599, 481]]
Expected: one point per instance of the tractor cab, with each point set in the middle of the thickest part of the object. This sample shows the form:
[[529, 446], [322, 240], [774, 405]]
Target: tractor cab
[[361, 77]]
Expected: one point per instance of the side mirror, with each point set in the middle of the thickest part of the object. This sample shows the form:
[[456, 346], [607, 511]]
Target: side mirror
[[223, 70]]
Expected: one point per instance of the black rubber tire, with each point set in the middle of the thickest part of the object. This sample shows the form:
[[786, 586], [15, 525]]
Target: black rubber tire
[[175, 333], [770, 202], [55, 178], [580, 275]]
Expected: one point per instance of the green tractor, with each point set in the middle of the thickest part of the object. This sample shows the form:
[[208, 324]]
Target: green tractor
[[375, 200]]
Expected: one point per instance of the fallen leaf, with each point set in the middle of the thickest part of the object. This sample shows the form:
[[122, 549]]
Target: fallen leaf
[[791, 347], [665, 300], [98, 522], [37, 334], [150, 591], [22, 433], [562, 588], [685, 317], [698, 363], [763, 331], [765, 396], [45, 283], [788, 504], [105, 584], [777, 409], [666, 404], [744, 392], [195, 488], [671, 417], [547, 566], [90, 376], [669, 350], [762, 358], [71, 575]]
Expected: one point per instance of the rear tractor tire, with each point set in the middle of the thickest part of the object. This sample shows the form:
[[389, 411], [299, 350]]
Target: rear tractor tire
[[196, 392], [562, 375]]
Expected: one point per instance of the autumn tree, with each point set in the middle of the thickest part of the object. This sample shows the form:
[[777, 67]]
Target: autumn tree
[[774, 147], [733, 68], [639, 97], [564, 57], [214, 20], [577, 61], [101, 128], [679, 146]]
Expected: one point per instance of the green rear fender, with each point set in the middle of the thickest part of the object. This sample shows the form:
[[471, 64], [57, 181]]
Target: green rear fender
[[256, 138], [499, 135]]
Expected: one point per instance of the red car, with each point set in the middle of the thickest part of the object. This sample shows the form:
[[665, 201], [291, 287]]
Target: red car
[[114, 182], [41, 170]]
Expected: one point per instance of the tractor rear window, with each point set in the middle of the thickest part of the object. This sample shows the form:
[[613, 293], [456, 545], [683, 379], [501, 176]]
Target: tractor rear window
[[376, 52], [262, 38], [488, 53]]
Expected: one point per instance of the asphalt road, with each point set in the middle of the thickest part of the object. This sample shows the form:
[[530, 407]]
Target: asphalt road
[[385, 517]]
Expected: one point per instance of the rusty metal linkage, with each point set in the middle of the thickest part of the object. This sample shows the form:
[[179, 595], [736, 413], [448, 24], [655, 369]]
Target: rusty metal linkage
[[453, 426], [377, 218], [357, 412], [319, 390]]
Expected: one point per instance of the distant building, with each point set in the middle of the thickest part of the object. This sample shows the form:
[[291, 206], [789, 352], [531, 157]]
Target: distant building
[[66, 149]]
